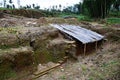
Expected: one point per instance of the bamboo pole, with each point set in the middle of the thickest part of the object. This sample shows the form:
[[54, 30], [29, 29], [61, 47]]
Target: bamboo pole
[[37, 75], [45, 71]]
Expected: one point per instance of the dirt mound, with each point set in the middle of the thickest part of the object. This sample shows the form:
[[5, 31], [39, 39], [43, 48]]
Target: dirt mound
[[62, 21], [1, 15], [28, 13], [7, 40], [42, 21], [7, 23], [25, 13], [15, 59], [13, 21]]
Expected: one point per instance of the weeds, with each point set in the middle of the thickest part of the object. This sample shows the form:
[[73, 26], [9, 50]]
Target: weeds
[[9, 30], [6, 73], [113, 20], [62, 78]]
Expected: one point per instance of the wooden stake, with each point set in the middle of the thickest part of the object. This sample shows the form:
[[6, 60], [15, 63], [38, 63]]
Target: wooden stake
[[96, 45], [84, 49]]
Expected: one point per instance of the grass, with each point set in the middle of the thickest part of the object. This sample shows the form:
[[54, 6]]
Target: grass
[[6, 71], [62, 78], [80, 17], [9, 30], [7, 74], [84, 18], [114, 14], [105, 71], [1, 8], [113, 20], [3, 47], [6, 31]]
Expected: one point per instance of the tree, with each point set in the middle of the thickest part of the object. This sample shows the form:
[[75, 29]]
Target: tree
[[10, 5], [28, 6], [78, 7], [117, 5], [60, 6], [97, 8], [37, 7], [56, 7], [4, 1], [13, 6], [53, 7], [33, 5], [10, 1], [1, 4], [18, 2], [69, 9]]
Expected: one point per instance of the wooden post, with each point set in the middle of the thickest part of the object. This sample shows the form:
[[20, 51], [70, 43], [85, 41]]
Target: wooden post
[[84, 49], [96, 45]]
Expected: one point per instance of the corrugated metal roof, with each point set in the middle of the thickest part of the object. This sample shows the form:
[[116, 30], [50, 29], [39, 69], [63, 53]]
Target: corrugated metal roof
[[81, 34]]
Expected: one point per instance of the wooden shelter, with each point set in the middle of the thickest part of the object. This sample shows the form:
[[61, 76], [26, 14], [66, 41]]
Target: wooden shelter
[[86, 40]]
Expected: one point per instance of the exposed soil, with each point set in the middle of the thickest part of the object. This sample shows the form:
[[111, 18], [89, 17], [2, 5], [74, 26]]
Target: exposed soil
[[24, 12], [104, 64], [50, 47]]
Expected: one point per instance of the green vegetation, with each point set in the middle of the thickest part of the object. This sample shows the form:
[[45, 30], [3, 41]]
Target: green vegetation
[[80, 17], [97, 8], [89, 10], [12, 30], [114, 14], [6, 70], [113, 20], [108, 68], [82, 11], [63, 78], [9, 46], [2, 8], [5, 74]]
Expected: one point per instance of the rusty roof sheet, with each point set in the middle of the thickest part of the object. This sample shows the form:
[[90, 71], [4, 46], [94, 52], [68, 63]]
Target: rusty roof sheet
[[81, 34]]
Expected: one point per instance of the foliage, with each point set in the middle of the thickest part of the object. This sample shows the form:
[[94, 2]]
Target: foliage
[[9, 30], [114, 14], [84, 18], [5, 74], [80, 17], [117, 4], [97, 8], [113, 20], [5, 70]]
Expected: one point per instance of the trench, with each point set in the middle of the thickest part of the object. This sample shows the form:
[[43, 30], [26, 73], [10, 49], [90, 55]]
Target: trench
[[42, 53]]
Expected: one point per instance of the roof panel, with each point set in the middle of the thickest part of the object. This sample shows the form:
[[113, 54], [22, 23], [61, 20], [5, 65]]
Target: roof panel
[[81, 34]]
